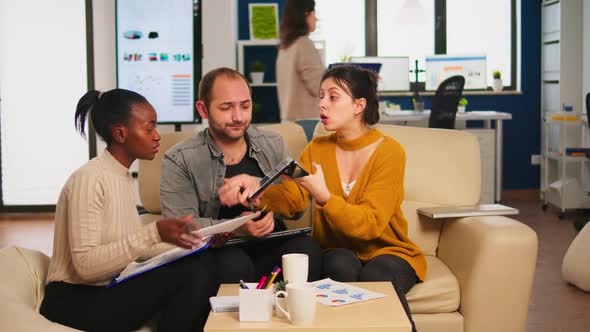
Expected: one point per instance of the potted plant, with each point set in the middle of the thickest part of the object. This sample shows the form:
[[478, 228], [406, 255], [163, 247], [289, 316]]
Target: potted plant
[[281, 286], [418, 102], [256, 72], [462, 104], [497, 85]]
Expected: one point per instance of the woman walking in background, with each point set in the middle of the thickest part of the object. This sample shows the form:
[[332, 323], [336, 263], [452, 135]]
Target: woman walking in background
[[299, 66]]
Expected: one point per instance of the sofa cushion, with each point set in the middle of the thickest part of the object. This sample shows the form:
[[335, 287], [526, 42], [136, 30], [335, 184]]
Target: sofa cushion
[[455, 153], [23, 275], [423, 231], [293, 135], [575, 268], [22, 287], [150, 170], [457, 176], [439, 293], [446, 322]]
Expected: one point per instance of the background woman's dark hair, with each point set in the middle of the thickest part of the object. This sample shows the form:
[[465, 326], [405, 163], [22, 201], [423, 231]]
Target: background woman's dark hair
[[293, 21], [106, 110], [360, 83]]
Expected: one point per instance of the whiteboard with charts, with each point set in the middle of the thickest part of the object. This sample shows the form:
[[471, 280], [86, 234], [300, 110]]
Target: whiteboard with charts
[[156, 54]]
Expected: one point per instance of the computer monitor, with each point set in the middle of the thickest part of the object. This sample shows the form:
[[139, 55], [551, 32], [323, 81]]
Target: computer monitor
[[393, 75], [158, 54], [471, 67]]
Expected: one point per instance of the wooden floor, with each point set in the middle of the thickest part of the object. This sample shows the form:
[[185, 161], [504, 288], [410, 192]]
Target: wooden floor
[[555, 306]]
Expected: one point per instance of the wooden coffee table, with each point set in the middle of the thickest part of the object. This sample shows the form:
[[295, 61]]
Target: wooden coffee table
[[384, 314]]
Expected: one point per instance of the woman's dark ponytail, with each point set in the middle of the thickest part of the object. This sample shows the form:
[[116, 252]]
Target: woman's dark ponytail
[[106, 110], [85, 105]]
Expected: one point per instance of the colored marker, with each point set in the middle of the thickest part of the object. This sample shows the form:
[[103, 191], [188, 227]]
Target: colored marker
[[273, 275], [261, 282], [243, 285]]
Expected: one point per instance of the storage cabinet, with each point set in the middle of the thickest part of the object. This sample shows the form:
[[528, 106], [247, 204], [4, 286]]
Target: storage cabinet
[[266, 104], [564, 172], [264, 95], [563, 177]]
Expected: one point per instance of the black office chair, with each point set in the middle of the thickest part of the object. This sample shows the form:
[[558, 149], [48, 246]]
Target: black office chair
[[445, 102]]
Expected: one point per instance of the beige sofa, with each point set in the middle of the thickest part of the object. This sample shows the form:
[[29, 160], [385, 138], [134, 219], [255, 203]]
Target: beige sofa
[[480, 269]]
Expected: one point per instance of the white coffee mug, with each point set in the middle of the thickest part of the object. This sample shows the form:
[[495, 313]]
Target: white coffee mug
[[295, 268], [301, 303]]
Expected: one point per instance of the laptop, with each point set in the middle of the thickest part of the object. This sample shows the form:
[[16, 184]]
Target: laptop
[[275, 235], [467, 211]]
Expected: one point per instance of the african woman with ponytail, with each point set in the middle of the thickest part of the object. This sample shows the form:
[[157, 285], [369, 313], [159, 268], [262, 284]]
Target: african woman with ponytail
[[98, 232]]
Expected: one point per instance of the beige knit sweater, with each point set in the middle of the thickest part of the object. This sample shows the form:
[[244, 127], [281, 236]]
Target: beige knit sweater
[[97, 227], [299, 72]]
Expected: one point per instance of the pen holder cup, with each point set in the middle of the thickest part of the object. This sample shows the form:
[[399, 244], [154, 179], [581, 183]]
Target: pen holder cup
[[256, 305]]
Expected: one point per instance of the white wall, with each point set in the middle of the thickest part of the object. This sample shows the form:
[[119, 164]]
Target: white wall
[[43, 73], [220, 33], [586, 51], [42, 76]]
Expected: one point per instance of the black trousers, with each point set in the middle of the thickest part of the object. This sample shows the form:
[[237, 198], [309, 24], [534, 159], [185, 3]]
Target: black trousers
[[178, 292], [266, 253], [343, 265]]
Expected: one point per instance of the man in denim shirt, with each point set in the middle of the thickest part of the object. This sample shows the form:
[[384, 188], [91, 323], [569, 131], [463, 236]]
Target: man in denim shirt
[[230, 152]]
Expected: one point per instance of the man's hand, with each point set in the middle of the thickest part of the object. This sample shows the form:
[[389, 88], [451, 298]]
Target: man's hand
[[235, 190], [220, 239], [174, 231], [260, 227]]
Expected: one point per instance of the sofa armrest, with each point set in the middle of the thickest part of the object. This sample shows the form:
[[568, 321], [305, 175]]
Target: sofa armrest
[[494, 261]]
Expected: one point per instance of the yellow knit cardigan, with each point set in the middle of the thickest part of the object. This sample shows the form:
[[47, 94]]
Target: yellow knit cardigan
[[369, 220]]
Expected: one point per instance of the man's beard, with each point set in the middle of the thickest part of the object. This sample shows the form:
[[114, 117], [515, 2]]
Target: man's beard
[[223, 132]]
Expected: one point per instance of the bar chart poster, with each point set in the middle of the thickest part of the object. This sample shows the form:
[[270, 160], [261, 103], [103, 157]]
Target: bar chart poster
[[155, 55]]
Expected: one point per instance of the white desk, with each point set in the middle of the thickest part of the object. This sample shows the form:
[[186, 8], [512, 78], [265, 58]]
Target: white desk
[[487, 116]]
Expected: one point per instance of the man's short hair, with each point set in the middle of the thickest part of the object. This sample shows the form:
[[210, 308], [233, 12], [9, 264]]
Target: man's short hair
[[206, 85]]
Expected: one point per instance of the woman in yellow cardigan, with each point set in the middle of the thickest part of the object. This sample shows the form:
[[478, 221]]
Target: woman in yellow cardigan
[[358, 187]]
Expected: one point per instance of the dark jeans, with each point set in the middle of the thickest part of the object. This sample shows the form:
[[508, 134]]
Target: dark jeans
[[266, 254], [179, 292], [343, 265]]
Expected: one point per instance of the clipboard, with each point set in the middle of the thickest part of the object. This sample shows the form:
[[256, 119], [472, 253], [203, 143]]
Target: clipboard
[[134, 269], [288, 167]]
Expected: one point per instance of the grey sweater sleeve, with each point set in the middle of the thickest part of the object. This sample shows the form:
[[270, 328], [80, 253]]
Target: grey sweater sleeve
[[178, 195]]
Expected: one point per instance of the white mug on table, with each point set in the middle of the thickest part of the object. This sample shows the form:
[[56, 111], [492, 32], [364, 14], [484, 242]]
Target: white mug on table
[[301, 303], [295, 268]]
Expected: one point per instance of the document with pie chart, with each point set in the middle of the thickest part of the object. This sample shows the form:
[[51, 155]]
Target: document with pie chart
[[335, 294]]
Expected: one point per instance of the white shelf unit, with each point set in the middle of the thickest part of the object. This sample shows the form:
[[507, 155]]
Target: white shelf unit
[[319, 44], [246, 43], [563, 178]]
